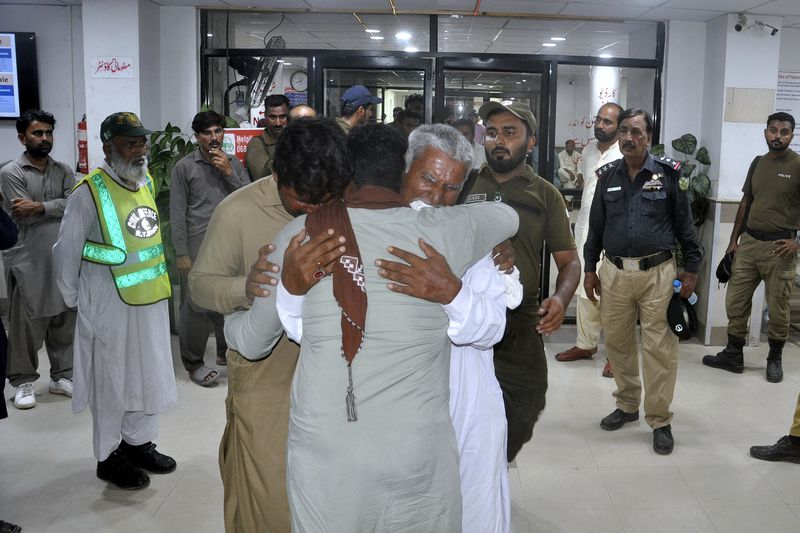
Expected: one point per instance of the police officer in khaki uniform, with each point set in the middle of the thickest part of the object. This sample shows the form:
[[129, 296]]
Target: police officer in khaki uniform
[[639, 210], [519, 358], [768, 249]]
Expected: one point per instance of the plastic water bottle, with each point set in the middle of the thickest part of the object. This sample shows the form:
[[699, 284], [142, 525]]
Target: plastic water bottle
[[676, 286]]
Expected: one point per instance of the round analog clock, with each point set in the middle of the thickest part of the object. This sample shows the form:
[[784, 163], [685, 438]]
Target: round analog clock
[[299, 81]]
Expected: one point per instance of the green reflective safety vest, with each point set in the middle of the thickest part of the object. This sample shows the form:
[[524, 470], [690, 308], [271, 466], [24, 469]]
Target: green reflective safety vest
[[131, 246]]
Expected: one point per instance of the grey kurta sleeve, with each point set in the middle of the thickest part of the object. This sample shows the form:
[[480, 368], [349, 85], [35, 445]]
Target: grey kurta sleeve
[[55, 208], [13, 185], [79, 217], [178, 198], [253, 333]]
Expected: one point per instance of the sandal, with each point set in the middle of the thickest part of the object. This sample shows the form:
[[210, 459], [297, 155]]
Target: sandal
[[222, 360], [203, 376]]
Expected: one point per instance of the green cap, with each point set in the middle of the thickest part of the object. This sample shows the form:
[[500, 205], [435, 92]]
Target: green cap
[[124, 124], [518, 109]]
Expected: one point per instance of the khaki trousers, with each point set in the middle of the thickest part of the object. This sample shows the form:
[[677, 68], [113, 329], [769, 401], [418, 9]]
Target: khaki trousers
[[649, 292], [795, 431], [252, 454], [755, 262], [589, 325]]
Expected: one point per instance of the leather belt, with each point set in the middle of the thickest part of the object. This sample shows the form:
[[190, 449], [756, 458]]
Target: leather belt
[[773, 236], [640, 263]]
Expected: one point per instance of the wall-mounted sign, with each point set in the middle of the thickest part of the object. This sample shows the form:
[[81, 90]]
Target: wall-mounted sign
[[9, 86], [111, 67], [787, 98]]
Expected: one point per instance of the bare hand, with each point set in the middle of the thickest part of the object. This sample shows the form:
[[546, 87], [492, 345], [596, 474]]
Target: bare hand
[[428, 279], [732, 247], [552, 315], [302, 261], [220, 160], [259, 274], [504, 256], [785, 248], [688, 282], [184, 264], [24, 208], [591, 284]]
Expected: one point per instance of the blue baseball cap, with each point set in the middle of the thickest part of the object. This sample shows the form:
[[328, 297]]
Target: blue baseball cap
[[358, 95]]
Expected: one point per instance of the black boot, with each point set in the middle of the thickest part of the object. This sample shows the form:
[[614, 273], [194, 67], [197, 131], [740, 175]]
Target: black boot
[[117, 469], [774, 367], [731, 358], [146, 456]]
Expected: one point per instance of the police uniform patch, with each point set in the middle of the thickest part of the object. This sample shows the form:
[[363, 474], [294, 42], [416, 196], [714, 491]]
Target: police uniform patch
[[655, 183], [605, 169], [683, 184], [142, 222], [668, 161], [474, 198]]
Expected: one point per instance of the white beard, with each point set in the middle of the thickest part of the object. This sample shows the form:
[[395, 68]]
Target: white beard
[[130, 172]]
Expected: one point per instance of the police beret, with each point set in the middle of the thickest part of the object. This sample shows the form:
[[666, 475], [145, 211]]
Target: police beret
[[725, 267], [681, 317]]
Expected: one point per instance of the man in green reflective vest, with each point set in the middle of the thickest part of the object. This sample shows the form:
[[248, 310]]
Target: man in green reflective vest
[[110, 265]]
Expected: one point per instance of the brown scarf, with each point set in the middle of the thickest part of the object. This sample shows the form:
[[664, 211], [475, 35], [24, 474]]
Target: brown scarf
[[348, 272]]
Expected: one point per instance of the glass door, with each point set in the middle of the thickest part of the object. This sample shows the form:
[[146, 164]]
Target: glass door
[[394, 79]]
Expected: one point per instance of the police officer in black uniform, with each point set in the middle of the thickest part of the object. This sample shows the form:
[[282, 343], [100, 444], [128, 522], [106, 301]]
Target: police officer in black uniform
[[640, 210]]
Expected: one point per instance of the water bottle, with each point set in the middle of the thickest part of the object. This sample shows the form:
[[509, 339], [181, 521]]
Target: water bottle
[[676, 286]]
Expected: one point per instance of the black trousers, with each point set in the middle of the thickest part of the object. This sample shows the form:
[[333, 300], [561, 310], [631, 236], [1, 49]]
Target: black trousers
[[521, 368]]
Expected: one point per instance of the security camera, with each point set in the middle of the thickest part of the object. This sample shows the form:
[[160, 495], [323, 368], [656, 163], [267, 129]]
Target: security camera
[[738, 27], [742, 24]]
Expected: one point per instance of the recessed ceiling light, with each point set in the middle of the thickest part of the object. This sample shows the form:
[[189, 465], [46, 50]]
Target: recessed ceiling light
[[605, 55], [549, 45], [285, 63], [403, 35], [376, 38], [557, 39], [209, 34], [523, 81], [518, 83], [480, 84], [372, 31], [411, 49], [279, 60]]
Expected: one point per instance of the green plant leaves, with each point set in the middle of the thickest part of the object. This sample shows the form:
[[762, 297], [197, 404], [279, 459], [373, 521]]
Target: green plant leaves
[[687, 169], [701, 185], [685, 144], [657, 149], [702, 156]]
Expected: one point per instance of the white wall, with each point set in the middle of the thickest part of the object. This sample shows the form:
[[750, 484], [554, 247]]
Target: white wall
[[54, 28], [790, 46], [150, 64], [180, 66], [683, 80]]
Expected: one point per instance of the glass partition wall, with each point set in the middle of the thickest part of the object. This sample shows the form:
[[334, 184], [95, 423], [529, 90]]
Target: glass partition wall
[[562, 68]]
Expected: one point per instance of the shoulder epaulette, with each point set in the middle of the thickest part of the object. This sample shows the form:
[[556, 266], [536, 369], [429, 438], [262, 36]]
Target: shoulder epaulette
[[605, 169], [667, 161]]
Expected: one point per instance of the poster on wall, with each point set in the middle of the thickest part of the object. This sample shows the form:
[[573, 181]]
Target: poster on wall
[[235, 141], [787, 98], [9, 79]]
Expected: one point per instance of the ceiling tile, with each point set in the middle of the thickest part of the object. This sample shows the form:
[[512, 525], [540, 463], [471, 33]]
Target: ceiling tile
[[661, 13], [522, 6], [262, 4], [585, 9], [727, 6], [779, 7], [432, 5]]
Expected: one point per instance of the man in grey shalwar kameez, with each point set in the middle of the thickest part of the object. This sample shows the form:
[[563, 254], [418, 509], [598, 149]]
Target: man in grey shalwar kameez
[[387, 459], [123, 360], [35, 188]]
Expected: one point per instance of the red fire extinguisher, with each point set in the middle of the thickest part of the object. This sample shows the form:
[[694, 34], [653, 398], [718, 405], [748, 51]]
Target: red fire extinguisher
[[83, 148]]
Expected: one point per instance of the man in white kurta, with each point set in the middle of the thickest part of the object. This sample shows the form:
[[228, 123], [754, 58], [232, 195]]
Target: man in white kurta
[[123, 360], [597, 153], [570, 172], [395, 467]]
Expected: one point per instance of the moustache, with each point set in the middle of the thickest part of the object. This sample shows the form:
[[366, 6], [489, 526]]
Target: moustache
[[500, 151], [214, 144], [629, 145]]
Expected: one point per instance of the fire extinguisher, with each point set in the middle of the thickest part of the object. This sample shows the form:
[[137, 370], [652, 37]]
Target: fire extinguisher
[[83, 148]]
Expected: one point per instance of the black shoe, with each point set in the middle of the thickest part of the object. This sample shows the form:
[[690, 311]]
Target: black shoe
[[774, 371], [118, 469], [8, 527], [663, 443], [731, 358], [145, 456], [774, 366], [783, 450], [617, 419]]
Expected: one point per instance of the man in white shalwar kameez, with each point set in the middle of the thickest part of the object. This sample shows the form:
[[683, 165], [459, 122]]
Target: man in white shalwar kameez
[[436, 166], [123, 361]]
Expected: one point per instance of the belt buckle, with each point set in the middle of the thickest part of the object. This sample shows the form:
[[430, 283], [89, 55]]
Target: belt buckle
[[630, 264]]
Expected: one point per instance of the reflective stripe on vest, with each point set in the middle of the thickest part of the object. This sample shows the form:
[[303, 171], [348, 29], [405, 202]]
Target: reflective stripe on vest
[[136, 259]]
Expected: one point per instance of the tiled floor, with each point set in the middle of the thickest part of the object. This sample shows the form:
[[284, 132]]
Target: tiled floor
[[572, 477]]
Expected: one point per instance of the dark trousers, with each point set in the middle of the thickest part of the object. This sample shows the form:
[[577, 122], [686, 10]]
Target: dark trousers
[[3, 362], [521, 368], [194, 326]]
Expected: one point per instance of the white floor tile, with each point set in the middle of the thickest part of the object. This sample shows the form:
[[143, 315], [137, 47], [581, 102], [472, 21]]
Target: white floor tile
[[750, 519], [685, 520], [658, 487], [729, 485]]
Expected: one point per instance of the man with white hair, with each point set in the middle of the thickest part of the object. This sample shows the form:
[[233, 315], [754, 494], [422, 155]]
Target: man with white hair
[[110, 264]]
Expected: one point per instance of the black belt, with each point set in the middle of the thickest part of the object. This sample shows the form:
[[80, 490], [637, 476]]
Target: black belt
[[645, 263], [773, 236]]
